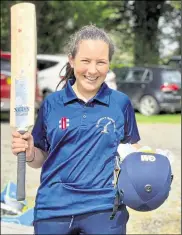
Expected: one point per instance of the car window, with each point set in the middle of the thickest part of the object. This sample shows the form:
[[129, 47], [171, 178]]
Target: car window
[[175, 63], [45, 64], [120, 73], [147, 77], [135, 75], [5, 65], [171, 76]]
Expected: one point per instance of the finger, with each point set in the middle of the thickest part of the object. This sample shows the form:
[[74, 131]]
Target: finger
[[27, 135], [19, 145], [16, 134], [15, 153], [19, 141], [18, 150]]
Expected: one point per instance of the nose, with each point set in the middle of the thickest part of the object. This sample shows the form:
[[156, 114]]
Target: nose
[[92, 68]]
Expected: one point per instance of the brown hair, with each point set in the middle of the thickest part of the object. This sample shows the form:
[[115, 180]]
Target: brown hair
[[85, 33]]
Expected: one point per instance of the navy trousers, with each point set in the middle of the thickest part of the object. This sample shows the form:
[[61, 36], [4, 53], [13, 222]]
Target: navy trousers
[[91, 223]]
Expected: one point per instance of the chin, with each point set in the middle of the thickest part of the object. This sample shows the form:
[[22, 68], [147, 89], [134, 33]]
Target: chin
[[91, 87], [91, 90]]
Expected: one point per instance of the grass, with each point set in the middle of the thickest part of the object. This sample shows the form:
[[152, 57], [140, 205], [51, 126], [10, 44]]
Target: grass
[[162, 118]]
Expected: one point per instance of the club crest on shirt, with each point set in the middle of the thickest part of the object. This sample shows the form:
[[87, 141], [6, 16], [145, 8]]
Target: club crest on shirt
[[64, 123], [106, 123]]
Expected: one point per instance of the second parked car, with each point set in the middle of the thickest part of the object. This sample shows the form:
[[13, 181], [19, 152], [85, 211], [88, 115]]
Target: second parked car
[[49, 67], [152, 88]]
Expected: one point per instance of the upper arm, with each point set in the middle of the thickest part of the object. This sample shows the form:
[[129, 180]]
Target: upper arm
[[39, 131], [131, 133]]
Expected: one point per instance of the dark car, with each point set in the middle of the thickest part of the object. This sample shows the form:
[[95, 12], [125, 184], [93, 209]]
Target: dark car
[[152, 88]]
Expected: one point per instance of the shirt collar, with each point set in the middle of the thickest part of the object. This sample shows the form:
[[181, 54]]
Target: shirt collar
[[69, 94], [102, 96]]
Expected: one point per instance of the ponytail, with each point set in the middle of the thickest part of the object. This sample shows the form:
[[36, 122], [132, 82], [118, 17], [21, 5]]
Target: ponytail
[[68, 75]]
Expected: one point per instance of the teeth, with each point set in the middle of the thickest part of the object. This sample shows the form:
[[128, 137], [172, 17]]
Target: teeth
[[91, 78]]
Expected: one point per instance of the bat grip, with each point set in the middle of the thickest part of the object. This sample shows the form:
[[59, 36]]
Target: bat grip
[[21, 172]]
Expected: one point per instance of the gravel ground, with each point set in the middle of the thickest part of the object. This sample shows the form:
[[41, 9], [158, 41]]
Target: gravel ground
[[164, 220]]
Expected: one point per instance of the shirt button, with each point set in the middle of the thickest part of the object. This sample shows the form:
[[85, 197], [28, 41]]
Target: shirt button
[[84, 116]]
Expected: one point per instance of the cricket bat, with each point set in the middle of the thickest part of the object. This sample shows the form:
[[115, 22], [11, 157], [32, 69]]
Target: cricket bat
[[23, 79]]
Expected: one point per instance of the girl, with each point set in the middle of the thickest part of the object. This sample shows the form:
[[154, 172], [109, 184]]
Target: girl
[[75, 141]]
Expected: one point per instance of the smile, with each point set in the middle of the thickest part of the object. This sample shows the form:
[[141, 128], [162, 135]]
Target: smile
[[91, 78]]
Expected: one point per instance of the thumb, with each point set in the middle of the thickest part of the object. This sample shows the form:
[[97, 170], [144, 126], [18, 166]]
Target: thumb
[[27, 136]]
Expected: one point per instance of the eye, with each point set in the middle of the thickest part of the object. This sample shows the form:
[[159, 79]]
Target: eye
[[85, 61], [101, 63]]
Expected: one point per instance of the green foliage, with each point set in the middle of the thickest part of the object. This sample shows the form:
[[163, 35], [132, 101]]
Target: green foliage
[[119, 65], [131, 24], [5, 25], [162, 118], [176, 4]]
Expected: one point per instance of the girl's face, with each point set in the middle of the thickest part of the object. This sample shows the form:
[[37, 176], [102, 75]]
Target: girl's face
[[90, 65]]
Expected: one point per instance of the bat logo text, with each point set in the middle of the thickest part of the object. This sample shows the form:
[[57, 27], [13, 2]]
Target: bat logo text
[[22, 110]]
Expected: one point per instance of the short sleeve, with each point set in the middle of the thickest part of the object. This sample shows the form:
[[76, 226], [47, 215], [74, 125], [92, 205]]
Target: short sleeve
[[39, 130], [131, 134]]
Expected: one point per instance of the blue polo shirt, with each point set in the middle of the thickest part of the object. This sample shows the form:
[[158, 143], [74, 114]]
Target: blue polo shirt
[[81, 140]]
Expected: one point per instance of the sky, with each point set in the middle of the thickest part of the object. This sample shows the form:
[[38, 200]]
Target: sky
[[168, 28]]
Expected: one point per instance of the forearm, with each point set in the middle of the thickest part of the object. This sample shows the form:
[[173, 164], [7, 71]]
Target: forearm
[[125, 149], [137, 146], [37, 158]]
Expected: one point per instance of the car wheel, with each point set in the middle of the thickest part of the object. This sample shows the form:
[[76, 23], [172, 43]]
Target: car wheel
[[149, 106]]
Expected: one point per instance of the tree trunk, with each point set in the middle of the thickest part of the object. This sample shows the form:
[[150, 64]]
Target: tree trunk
[[146, 44]]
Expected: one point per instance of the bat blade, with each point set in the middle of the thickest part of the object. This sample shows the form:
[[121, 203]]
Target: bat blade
[[23, 78]]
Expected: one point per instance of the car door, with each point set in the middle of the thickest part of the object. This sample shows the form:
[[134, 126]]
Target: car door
[[121, 74], [46, 74], [49, 68], [135, 84]]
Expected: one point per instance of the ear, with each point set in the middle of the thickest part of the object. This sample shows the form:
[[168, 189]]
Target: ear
[[71, 61]]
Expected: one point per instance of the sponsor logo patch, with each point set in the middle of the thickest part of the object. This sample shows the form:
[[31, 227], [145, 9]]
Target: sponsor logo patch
[[64, 123]]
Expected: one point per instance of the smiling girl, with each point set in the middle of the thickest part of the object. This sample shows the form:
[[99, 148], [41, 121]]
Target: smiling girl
[[75, 141]]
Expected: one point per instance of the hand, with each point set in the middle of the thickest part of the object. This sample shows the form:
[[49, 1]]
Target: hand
[[21, 143], [146, 149], [125, 149], [166, 153]]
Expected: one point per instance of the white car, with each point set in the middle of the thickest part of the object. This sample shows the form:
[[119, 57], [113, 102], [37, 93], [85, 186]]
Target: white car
[[49, 67], [111, 80]]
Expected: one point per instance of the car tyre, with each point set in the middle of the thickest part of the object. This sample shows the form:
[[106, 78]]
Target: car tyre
[[149, 106]]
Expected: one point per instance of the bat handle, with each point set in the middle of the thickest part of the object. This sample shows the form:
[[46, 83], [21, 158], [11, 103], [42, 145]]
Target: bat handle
[[21, 172]]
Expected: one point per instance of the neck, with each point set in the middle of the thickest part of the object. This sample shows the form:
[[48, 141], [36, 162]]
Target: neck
[[83, 95]]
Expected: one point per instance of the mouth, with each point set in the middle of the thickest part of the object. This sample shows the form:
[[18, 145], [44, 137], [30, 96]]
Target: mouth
[[92, 79]]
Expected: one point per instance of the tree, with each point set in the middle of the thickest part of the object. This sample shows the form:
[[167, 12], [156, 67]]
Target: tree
[[170, 26], [146, 42], [5, 24], [134, 25], [137, 22]]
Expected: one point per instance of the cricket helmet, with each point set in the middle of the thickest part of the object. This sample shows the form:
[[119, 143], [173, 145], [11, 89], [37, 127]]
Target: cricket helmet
[[144, 181]]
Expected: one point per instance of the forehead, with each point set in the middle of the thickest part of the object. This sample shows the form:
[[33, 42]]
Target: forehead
[[93, 48]]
